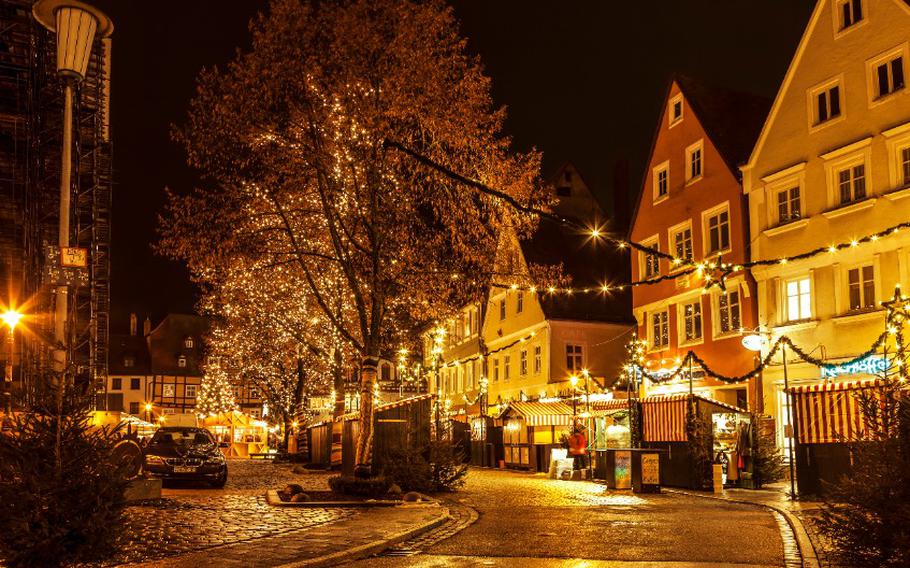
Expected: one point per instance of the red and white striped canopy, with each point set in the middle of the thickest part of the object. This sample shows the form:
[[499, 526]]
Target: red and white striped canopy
[[541, 413], [829, 413], [664, 416]]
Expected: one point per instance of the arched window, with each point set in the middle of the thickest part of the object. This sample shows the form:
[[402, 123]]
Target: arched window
[[188, 343], [181, 361]]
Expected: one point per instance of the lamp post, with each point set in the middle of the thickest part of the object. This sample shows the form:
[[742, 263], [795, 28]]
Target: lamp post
[[76, 25], [11, 318], [148, 412], [756, 341]]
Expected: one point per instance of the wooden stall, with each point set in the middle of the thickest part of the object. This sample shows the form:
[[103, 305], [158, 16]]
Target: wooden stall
[[828, 418], [530, 430], [398, 425], [664, 427], [243, 434]]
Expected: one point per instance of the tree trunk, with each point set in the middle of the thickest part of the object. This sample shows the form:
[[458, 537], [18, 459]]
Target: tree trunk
[[287, 433], [368, 372]]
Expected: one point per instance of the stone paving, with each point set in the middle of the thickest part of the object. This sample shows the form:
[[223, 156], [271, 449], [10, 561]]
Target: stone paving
[[190, 518]]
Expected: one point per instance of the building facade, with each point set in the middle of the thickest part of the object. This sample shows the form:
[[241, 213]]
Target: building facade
[[691, 207], [832, 165]]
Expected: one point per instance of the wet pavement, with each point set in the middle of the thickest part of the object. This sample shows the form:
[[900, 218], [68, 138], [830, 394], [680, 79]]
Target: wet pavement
[[528, 520], [191, 518]]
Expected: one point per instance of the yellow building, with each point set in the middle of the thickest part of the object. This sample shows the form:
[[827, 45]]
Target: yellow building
[[832, 164], [527, 343]]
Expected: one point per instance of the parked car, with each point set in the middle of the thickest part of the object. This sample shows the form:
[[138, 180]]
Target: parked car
[[183, 452]]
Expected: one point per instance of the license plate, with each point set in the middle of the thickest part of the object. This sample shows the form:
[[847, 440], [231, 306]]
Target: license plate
[[184, 469]]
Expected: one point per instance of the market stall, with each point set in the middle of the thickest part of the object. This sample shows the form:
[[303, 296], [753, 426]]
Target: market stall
[[609, 422], [239, 433], [530, 430], [131, 425], [724, 430], [827, 418]]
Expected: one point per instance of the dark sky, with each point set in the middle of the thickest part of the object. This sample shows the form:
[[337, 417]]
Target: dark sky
[[582, 80]]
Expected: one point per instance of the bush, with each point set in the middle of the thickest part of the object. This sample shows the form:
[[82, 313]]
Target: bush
[[61, 509], [363, 487], [437, 466], [767, 461], [866, 515]]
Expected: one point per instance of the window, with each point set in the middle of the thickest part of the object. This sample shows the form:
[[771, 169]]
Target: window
[[861, 285], [188, 343], [520, 305], [537, 359], [181, 362], [502, 309], [661, 181], [827, 103], [574, 358], [134, 408], [799, 299], [506, 367], [660, 330], [469, 323], [168, 391], [718, 229], [255, 413], [682, 241], [650, 261], [469, 376], [694, 161], [523, 363], [495, 370], [788, 206], [116, 384], [129, 361], [692, 321], [850, 12], [135, 384], [905, 165], [851, 183], [676, 109], [889, 76], [190, 391], [254, 393], [728, 320]]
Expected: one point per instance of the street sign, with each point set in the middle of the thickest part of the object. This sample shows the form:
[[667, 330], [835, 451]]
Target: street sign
[[73, 257]]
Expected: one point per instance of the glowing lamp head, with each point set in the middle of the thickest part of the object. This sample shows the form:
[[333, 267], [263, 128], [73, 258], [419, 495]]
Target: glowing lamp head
[[754, 342], [573, 380], [148, 406], [11, 318]]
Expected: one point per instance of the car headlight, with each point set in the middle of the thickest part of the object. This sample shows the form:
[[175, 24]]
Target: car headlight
[[218, 459], [154, 460]]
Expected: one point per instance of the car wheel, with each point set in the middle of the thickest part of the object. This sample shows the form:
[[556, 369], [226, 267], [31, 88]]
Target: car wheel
[[219, 481]]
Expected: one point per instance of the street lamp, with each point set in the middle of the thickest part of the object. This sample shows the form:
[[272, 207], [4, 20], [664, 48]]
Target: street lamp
[[756, 341], [11, 318], [76, 25], [148, 412]]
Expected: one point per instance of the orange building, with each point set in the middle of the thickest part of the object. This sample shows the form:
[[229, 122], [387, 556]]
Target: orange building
[[691, 206]]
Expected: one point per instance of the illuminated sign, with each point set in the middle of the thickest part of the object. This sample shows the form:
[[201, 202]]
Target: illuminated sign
[[871, 365]]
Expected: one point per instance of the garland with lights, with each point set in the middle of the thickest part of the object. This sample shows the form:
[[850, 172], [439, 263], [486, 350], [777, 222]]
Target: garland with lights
[[720, 270]]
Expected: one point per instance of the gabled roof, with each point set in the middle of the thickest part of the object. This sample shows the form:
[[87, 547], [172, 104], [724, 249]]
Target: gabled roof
[[166, 345], [124, 346], [731, 119], [588, 264]]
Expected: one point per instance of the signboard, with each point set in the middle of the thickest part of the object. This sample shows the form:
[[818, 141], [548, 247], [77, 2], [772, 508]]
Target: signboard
[[871, 365], [73, 257], [622, 473], [650, 469]]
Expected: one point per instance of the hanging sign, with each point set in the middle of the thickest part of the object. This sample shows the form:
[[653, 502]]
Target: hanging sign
[[871, 365], [73, 257]]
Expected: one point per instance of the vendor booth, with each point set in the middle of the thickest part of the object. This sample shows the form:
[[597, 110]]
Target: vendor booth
[[728, 429], [827, 418], [130, 425], [609, 420], [239, 434], [530, 430]]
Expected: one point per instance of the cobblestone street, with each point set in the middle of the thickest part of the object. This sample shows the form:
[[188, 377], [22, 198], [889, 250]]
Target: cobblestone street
[[194, 517], [530, 520]]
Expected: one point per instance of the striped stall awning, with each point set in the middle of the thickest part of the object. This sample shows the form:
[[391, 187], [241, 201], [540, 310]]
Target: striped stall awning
[[828, 413], [664, 416], [608, 407], [540, 413]]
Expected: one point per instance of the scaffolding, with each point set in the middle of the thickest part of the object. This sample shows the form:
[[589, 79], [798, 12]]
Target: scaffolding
[[31, 118]]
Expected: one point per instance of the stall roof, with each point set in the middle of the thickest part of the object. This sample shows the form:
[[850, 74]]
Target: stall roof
[[683, 396], [840, 386], [541, 413], [388, 406]]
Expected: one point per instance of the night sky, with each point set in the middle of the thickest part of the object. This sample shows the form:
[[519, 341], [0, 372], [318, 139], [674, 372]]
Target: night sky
[[583, 81]]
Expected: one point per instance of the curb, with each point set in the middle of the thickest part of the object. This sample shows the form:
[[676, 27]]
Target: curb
[[272, 498], [808, 556], [369, 548]]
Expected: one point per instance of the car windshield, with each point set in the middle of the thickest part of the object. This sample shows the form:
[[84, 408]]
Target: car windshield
[[182, 437]]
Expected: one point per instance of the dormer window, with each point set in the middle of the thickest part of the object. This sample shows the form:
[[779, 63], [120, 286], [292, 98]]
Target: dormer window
[[188, 343], [850, 12], [676, 110], [181, 362], [129, 361]]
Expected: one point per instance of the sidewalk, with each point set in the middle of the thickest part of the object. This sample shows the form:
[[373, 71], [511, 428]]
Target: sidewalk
[[359, 535], [796, 513]]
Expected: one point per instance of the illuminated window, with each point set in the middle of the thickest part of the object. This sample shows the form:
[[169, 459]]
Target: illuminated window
[[889, 76], [717, 229], [574, 358], [682, 241], [181, 362], [799, 299], [728, 310], [650, 262], [694, 166], [537, 359], [851, 183], [129, 361], [168, 391], [861, 285], [188, 343], [660, 330], [520, 303], [788, 205], [692, 321], [850, 12], [190, 391]]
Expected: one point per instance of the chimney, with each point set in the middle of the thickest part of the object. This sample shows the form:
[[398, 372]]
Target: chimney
[[133, 324], [146, 326]]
